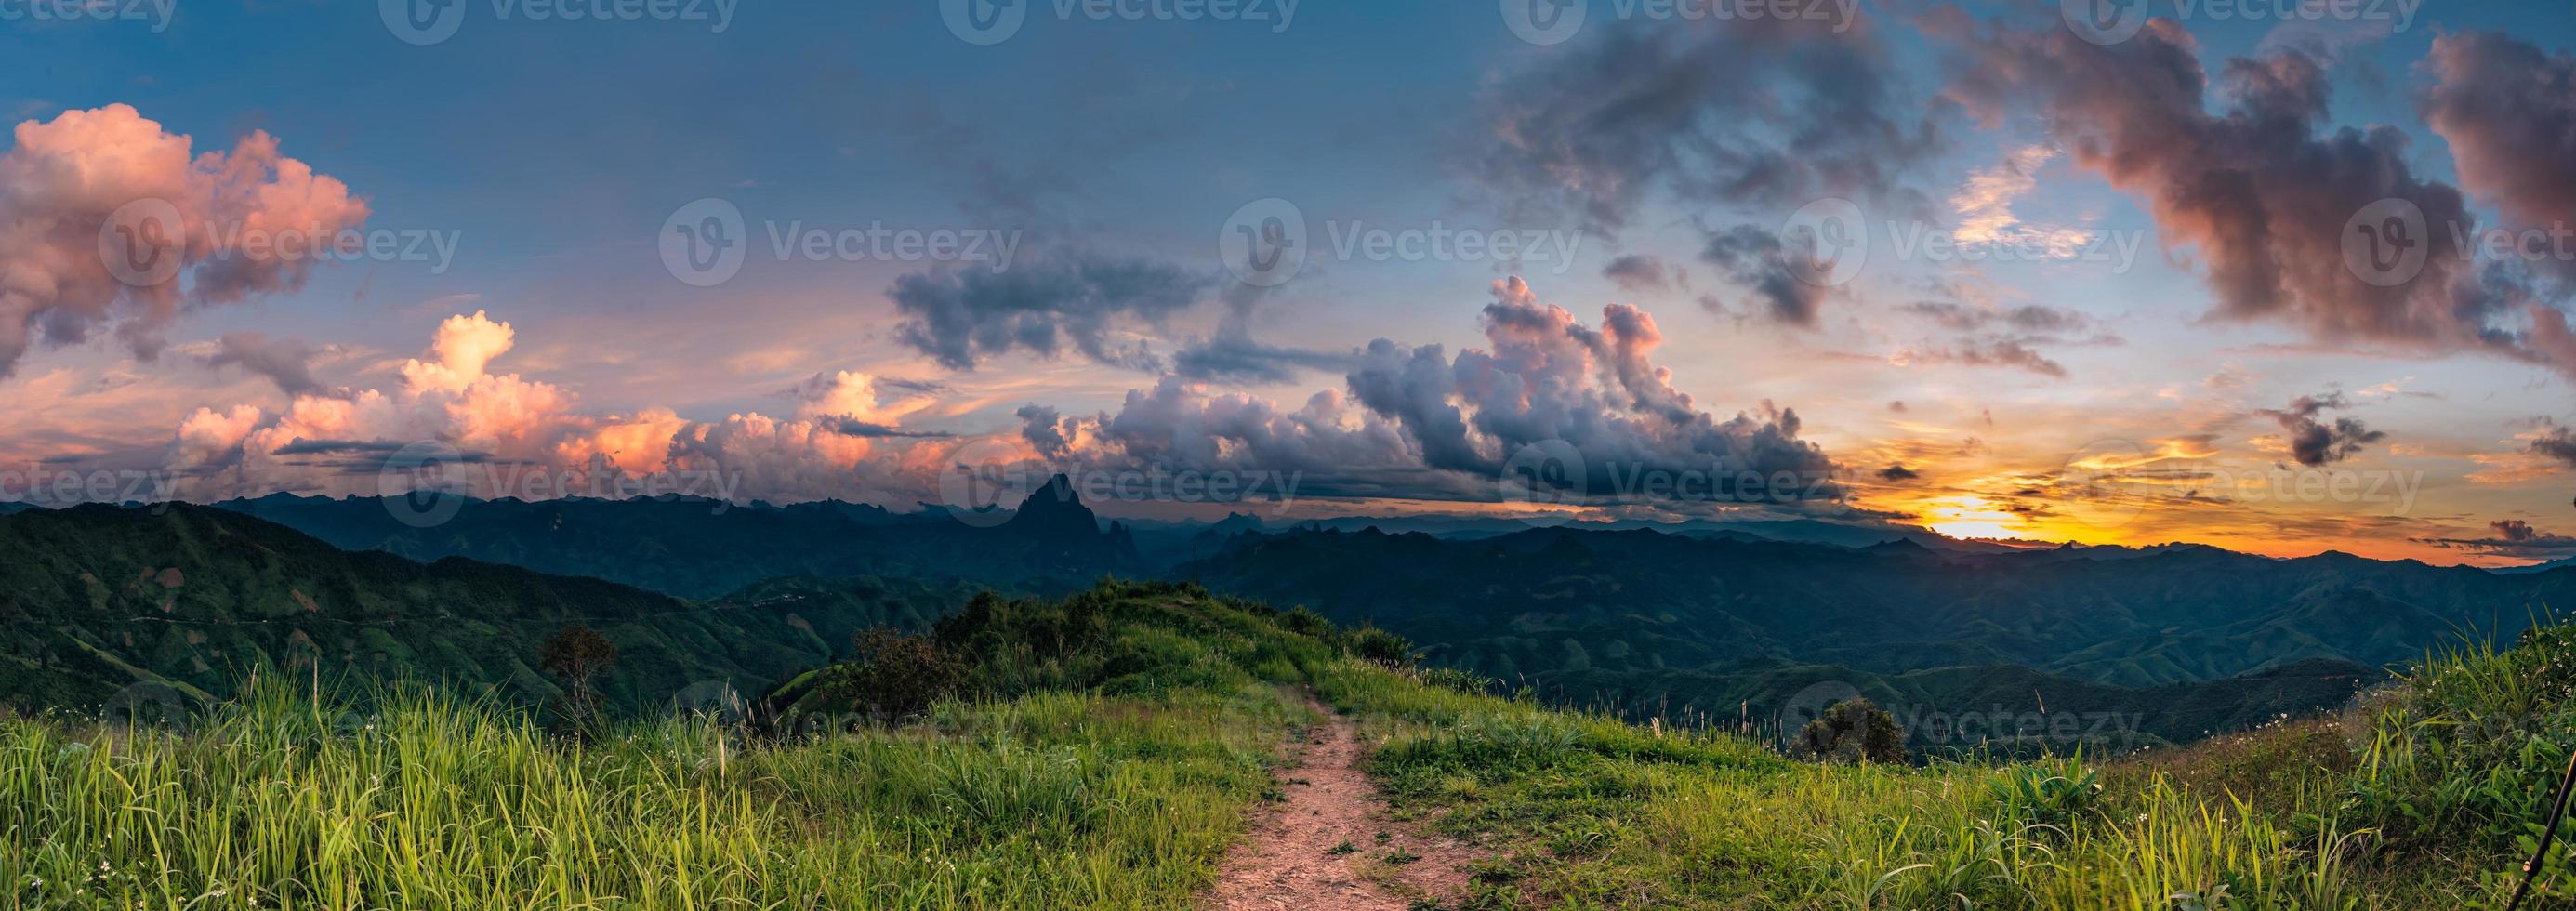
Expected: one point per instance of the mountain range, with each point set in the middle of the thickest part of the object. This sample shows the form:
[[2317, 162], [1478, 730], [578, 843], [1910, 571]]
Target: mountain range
[[1726, 619]]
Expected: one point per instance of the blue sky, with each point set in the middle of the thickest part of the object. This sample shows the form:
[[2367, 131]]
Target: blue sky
[[553, 151]]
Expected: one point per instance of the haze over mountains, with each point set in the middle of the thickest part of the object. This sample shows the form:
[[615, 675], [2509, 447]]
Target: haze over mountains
[[2182, 640]]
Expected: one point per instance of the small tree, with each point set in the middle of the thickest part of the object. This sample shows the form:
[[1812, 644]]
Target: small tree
[[1851, 731], [576, 655], [896, 675]]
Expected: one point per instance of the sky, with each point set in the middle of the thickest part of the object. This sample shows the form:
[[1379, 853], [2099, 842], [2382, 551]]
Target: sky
[[2278, 276]]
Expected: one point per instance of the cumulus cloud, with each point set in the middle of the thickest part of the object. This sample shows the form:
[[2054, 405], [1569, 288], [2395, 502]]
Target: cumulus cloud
[[1079, 303], [836, 444], [2508, 110], [1417, 421], [2315, 442], [62, 186], [1755, 112], [2260, 188]]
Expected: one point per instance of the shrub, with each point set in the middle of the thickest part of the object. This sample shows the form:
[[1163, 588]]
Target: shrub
[[1851, 731], [897, 675], [1380, 646]]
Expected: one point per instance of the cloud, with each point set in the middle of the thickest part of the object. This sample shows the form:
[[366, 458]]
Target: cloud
[[1897, 473], [1638, 273], [2508, 111], [66, 179], [2009, 353], [2556, 441], [284, 361], [2512, 538], [2260, 188], [1233, 357], [1756, 258], [1415, 421], [2313, 442], [1754, 112], [963, 317]]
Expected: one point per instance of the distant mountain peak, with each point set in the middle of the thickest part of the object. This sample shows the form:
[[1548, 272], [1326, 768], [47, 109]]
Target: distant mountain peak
[[1056, 509]]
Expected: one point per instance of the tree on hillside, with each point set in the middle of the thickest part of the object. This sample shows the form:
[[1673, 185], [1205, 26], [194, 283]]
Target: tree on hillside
[[576, 655], [895, 675], [1852, 731]]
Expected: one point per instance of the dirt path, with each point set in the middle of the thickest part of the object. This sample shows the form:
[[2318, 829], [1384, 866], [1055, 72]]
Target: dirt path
[[1331, 846]]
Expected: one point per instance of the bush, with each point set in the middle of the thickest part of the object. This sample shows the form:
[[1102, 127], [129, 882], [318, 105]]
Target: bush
[[897, 675], [1852, 731], [1380, 646]]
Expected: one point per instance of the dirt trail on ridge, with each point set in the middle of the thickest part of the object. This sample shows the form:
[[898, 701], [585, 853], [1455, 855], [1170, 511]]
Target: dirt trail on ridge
[[1292, 860]]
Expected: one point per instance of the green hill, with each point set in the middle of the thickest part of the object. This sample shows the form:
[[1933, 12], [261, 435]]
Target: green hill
[[97, 598]]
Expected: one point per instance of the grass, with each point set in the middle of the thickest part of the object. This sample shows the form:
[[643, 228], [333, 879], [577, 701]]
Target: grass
[[287, 797], [1106, 749], [2424, 796]]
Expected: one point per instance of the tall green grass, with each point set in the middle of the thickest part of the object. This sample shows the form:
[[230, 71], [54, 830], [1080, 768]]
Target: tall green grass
[[2396, 807], [284, 799]]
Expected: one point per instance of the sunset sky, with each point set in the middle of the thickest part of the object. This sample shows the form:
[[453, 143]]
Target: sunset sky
[[2108, 287]]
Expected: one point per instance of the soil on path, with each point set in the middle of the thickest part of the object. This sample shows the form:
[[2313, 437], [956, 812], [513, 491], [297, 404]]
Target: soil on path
[[1296, 857]]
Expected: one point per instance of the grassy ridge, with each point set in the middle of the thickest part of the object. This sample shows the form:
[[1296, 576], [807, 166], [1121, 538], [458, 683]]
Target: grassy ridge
[[1104, 750], [2426, 797], [1049, 798]]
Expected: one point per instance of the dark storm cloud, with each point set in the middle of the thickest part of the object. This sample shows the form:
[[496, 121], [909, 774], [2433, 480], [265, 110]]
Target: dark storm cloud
[[854, 427], [962, 317], [1897, 473], [2262, 188], [2315, 442]]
